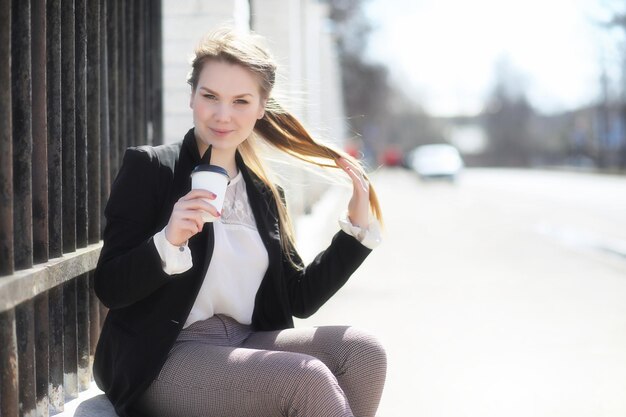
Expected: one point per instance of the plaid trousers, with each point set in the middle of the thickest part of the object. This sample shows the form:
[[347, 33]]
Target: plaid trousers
[[219, 367]]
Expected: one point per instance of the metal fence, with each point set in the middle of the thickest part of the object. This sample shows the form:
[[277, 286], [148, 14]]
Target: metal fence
[[80, 80]]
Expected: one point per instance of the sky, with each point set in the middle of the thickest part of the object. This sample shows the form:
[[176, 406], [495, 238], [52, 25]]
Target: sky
[[443, 52]]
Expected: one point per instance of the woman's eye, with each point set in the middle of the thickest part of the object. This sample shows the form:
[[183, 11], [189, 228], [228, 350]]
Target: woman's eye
[[241, 101], [210, 96]]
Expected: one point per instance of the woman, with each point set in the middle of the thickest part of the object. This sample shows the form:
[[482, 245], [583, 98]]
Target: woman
[[200, 318]]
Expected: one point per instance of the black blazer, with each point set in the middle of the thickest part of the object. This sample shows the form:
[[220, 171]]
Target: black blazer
[[147, 307]]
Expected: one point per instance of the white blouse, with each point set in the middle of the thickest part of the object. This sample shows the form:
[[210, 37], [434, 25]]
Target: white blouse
[[239, 259]]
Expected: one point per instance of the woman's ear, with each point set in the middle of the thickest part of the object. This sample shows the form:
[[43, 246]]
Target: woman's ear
[[262, 111], [191, 98]]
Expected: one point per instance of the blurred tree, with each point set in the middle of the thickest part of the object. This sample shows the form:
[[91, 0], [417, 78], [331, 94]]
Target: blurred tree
[[365, 86], [379, 113], [351, 26], [612, 152], [408, 125], [619, 20], [507, 118]]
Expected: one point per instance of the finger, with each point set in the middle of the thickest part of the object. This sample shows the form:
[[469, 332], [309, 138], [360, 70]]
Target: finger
[[351, 167], [198, 193], [206, 207], [195, 204], [199, 221], [190, 226], [343, 163], [355, 175], [346, 163], [196, 215]]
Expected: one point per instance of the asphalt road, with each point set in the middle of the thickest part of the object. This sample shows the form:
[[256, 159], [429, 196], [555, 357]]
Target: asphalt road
[[502, 295]]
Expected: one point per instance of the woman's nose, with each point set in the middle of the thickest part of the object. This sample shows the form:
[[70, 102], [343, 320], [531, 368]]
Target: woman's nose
[[222, 112]]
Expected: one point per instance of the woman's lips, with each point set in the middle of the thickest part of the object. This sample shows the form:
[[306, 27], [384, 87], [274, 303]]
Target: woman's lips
[[220, 132]]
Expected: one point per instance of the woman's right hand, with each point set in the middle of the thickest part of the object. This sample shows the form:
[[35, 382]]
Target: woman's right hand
[[186, 219]]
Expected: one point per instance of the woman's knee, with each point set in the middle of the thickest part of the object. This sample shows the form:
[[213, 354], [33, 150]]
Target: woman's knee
[[365, 348]]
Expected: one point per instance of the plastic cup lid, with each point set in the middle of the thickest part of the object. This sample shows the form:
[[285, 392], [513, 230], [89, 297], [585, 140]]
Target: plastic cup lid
[[210, 168]]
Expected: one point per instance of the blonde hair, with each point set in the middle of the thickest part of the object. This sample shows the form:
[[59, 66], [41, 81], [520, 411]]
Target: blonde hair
[[278, 127]]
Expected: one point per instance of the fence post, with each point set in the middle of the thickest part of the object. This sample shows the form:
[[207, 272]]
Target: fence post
[[40, 133], [25, 329], [42, 357], [55, 190], [80, 198], [122, 134], [139, 78], [93, 120], [40, 200], [22, 134], [68, 138], [94, 320], [82, 332], [105, 126], [70, 357], [157, 74], [56, 394], [130, 97], [6, 144], [112, 69], [9, 397]]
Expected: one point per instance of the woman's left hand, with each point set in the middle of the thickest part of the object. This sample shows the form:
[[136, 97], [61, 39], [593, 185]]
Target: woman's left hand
[[358, 208]]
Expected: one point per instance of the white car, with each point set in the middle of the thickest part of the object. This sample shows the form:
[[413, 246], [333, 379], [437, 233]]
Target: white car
[[436, 161]]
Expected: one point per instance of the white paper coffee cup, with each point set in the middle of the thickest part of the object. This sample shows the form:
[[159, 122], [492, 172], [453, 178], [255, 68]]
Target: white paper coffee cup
[[212, 178]]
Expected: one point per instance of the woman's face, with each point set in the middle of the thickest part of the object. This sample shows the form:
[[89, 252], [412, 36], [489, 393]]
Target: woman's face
[[226, 105]]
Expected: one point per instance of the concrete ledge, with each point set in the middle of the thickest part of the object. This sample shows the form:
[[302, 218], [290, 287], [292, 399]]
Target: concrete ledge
[[90, 403]]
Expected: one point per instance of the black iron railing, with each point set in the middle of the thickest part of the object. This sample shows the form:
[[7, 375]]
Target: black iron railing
[[80, 80]]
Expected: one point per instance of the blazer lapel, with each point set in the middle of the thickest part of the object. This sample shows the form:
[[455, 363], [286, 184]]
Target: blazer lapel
[[265, 216]]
